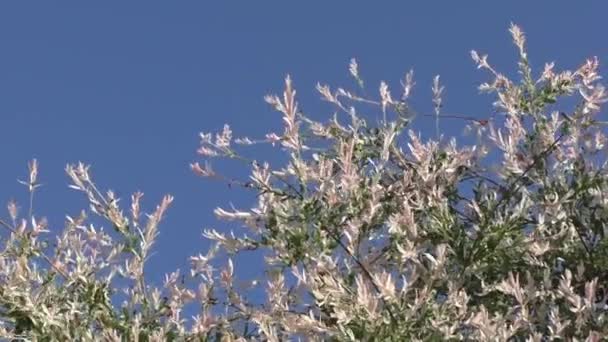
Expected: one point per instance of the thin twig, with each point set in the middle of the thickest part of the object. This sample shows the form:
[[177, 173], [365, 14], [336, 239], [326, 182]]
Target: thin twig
[[367, 274]]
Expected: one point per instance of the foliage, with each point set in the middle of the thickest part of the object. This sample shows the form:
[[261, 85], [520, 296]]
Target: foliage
[[362, 239]]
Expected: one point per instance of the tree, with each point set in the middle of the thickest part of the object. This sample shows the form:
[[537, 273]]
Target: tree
[[364, 237]]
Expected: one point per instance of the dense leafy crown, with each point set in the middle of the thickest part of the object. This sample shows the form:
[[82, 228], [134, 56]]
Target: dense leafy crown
[[367, 232]]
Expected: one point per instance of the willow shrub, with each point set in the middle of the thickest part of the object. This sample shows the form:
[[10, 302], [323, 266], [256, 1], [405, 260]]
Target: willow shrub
[[367, 232]]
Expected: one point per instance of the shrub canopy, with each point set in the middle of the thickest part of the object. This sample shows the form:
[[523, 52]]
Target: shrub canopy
[[367, 232]]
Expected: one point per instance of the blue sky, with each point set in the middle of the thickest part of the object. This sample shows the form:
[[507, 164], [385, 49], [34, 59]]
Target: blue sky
[[127, 86]]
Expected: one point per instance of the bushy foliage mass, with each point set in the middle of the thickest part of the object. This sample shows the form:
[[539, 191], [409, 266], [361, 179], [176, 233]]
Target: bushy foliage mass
[[367, 232]]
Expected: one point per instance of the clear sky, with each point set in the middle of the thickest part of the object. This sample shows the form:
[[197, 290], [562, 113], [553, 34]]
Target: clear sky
[[127, 86]]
